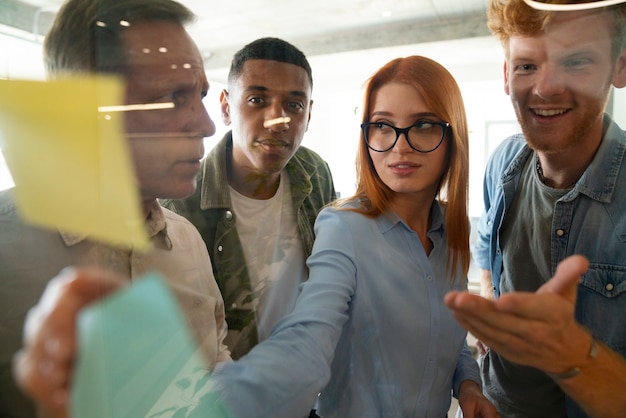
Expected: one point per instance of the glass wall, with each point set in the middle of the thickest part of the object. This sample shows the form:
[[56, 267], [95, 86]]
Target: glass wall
[[333, 132]]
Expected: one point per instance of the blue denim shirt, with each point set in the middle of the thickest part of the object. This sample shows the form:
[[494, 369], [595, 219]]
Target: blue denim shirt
[[369, 330], [589, 220]]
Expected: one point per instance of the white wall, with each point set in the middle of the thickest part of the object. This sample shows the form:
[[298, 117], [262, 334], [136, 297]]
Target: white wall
[[18, 59], [337, 95], [619, 107]]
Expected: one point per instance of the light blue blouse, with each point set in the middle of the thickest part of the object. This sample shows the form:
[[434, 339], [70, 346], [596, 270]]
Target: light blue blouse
[[369, 330]]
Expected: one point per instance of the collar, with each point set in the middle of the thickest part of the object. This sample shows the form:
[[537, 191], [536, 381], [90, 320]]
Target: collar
[[390, 219], [213, 182], [599, 179], [155, 224]]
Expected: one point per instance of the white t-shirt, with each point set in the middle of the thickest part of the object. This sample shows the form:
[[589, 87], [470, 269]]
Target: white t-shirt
[[273, 251]]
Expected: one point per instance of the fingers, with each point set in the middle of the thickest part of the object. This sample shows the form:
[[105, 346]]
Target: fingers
[[43, 368], [528, 328], [473, 403], [554, 300], [495, 328], [35, 379], [67, 293]]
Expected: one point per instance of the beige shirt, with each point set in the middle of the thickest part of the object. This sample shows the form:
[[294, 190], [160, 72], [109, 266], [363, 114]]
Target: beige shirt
[[30, 256]]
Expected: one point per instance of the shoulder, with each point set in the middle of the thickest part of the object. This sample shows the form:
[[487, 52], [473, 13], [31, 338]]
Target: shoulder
[[308, 159], [184, 206], [173, 218], [341, 229], [8, 207], [505, 153], [179, 224], [343, 217], [508, 148], [14, 228], [310, 175], [308, 154]]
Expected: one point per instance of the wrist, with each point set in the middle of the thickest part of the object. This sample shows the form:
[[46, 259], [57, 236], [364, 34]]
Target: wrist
[[575, 371], [469, 386]]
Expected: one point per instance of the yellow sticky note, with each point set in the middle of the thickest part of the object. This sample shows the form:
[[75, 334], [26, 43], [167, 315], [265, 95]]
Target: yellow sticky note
[[70, 162]]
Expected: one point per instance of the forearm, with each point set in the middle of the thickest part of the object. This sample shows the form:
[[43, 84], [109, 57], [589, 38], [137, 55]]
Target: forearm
[[280, 377], [486, 285], [599, 388], [466, 370]]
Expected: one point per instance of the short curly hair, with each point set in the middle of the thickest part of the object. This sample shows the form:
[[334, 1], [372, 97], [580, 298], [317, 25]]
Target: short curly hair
[[269, 48]]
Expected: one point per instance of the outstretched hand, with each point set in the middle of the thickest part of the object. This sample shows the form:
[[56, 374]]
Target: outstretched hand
[[533, 329], [44, 366]]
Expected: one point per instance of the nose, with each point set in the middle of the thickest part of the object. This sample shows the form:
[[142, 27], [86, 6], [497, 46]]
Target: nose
[[548, 82], [203, 124], [276, 110], [402, 144]]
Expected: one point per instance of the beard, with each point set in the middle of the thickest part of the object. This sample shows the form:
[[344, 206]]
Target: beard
[[556, 138]]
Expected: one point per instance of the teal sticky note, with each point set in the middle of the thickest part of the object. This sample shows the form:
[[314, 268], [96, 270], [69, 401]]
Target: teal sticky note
[[137, 358]]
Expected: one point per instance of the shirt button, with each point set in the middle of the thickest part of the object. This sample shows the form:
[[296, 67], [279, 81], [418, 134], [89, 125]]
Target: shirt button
[[429, 278], [609, 287], [220, 248], [228, 215], [560, 232]]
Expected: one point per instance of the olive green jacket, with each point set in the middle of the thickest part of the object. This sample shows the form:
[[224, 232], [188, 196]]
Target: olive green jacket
[[210, 210]]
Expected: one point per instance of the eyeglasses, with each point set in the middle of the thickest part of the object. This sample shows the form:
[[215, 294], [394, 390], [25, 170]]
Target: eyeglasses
[[423, 136]]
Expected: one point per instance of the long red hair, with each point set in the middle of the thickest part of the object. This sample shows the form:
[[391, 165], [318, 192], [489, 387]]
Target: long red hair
[[443, 96]]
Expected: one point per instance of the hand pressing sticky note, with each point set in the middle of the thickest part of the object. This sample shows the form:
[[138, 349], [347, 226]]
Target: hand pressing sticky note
[[137, 359], [69, 161]]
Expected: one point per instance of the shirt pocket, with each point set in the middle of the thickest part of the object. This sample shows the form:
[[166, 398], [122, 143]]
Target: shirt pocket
[[601, 304]]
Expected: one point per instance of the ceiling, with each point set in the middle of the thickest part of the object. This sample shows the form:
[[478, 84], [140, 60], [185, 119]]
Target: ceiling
[[336, 35]]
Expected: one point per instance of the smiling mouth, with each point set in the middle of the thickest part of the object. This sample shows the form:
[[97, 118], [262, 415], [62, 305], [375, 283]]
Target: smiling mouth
[[549, 112]]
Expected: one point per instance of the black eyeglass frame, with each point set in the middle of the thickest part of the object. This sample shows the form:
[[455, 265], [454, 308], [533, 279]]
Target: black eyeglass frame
[[399, 131]]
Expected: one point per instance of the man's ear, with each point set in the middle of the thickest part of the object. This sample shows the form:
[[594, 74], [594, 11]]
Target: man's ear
[[506, 78], [619, 74], [225, 106], [309, 117]]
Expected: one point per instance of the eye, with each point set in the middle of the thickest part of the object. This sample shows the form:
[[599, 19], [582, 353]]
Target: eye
[[382, 127], [577, 63], [525, 68], [295, 106], [179, 98], [256, 100], [424, 124]]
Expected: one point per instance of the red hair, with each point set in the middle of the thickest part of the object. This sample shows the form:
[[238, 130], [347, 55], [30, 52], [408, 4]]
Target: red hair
[[443, 97]]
